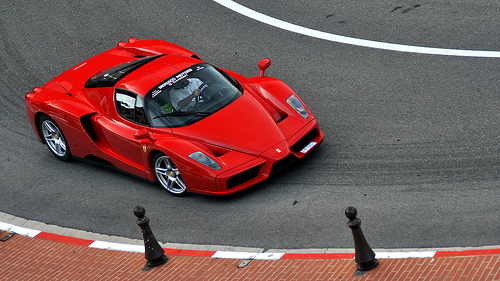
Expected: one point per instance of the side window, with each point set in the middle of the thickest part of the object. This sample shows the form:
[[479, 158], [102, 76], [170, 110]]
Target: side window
[[130, 106]]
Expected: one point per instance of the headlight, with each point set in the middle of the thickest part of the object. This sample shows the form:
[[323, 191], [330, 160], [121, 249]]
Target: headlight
[[295, 103], [202, 158]]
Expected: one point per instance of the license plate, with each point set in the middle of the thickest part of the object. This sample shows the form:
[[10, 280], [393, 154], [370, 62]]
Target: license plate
[[308, 147]]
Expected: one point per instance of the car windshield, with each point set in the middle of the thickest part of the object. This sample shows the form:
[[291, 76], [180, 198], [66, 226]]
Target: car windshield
[[190, 96]]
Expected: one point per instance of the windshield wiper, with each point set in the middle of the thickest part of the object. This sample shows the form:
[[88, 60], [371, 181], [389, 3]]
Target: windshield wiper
[[184, 113]]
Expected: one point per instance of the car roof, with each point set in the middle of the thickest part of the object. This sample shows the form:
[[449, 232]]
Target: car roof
[[151, 74]]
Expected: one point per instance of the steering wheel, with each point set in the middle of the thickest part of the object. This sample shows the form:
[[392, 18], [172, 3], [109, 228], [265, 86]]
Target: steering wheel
[[216, 96], [198, 106], [201, 86]]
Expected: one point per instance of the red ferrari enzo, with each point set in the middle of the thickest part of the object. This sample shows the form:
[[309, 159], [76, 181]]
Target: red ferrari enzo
[[156, 110]]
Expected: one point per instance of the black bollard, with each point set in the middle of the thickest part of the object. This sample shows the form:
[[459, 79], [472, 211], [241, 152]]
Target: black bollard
[[153, 251], [364, 255]]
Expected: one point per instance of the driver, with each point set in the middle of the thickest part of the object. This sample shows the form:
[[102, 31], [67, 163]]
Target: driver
[[186, 93]]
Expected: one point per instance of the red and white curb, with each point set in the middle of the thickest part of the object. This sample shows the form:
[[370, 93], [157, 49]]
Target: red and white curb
[[379, 254]]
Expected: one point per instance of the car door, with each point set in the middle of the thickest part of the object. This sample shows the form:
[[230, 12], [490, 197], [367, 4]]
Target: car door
[[119, 129]]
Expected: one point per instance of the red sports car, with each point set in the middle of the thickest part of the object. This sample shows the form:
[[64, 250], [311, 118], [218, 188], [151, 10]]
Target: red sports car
[[156, 110]]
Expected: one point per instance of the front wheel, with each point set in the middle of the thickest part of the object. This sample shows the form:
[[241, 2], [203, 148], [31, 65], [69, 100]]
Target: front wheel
[[54, 138], [168, 175]]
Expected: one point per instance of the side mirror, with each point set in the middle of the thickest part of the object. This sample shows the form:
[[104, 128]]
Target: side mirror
[[263, 65], [143, 134]]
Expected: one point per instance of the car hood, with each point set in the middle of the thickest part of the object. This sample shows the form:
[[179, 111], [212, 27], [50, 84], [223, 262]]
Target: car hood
[[243, 125]]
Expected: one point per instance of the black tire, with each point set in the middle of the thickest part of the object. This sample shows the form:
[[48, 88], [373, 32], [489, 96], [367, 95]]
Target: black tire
[[53, 136], [168, 176]]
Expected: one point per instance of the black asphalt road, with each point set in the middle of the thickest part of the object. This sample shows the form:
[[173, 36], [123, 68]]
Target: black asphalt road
[[411, 140]]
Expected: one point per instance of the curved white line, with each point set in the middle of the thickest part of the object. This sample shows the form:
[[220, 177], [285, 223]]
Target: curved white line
[[352, 41]]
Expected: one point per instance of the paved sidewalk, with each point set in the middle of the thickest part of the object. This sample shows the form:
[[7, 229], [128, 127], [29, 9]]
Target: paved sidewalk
[[57, 257]]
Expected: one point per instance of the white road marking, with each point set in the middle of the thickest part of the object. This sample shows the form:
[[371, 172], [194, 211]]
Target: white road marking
[[103, 245], [234, 255], [269, 256], [19, 229], [405, 255], [352, 41]]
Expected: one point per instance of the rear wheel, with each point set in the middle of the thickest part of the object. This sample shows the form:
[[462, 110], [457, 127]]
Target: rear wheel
[[54, 138], [168, 175]]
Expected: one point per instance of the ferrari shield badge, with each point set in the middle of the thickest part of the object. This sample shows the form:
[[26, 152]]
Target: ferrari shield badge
[[144, 148]]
